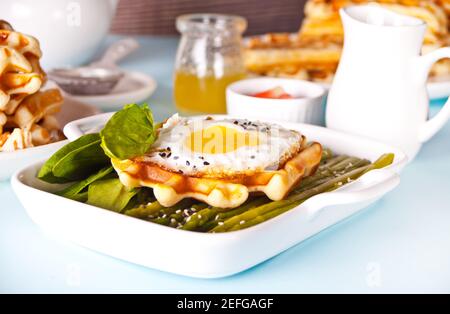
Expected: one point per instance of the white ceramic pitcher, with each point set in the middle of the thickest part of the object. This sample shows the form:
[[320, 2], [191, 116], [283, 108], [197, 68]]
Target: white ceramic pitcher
[[379, 89]]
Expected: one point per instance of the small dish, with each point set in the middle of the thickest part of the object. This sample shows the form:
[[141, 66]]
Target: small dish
[[306, 106], [70, 110], [208, 255], [134, 87]]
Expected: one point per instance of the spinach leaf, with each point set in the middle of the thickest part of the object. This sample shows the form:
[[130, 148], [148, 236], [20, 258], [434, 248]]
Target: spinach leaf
[[77, 190], [75, 160], [129, 132], [80, 197], [110, 194]]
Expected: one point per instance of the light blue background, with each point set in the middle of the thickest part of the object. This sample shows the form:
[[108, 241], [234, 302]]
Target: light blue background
[[400, 244]]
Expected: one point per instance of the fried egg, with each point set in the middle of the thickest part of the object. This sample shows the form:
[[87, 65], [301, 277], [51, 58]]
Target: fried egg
[[221, 148]]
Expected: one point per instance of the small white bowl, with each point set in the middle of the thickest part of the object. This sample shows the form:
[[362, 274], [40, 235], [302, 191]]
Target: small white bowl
[[305, 107]]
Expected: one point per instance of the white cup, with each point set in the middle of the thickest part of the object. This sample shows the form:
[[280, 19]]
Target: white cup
[[306, 106]]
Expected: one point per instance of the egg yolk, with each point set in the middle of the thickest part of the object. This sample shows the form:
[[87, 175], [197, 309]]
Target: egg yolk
[[219, 139]]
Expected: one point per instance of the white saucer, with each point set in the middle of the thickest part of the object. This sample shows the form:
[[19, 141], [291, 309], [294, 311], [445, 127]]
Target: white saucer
[[134, 87]]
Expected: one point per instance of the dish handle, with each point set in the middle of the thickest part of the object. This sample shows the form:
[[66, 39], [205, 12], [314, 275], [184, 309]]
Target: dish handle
[[78, 128], [372, 185]]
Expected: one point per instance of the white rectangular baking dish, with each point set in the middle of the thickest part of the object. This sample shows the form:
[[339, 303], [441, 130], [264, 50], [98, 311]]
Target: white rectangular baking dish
[[199, 254]]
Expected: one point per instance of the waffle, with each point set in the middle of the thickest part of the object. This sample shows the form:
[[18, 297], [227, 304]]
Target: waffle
[[284, 55], [34, 107], [445, 4], [20, 71], [170, 188], [315, 51], [322, 18], [18, 139], [24, 107]]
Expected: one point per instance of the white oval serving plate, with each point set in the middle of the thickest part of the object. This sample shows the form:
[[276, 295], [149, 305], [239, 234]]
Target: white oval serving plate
[[134, 87], [199, 254], [70, 110]]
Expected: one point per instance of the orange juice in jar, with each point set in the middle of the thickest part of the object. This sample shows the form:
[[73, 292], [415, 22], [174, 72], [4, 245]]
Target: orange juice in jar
[[209, 58]]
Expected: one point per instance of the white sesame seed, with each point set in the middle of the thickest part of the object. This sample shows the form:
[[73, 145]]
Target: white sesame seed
[[199, 216], [164, 216], [242, 222], [189, 218], [173, 221], [178, 211], [220, 223]]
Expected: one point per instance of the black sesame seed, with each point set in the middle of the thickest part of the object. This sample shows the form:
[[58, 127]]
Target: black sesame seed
[[175, 157], [162, 154], [168, 148], [252, 157], [236, 122], [187, 163], [206, 163], [180, 171], [169, 154], [201, 157]]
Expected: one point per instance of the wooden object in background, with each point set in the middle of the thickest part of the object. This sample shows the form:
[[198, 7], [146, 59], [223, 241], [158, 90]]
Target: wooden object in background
[[157, 17]]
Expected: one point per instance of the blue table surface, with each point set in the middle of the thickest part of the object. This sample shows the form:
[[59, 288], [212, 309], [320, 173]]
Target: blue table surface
[[399, 244]]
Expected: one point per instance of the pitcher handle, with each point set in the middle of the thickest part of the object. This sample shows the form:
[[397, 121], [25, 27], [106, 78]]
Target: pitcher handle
[[432, 126]]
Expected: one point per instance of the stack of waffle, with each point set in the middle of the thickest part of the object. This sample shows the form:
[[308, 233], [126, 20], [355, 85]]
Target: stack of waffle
[[26, 111], [314, 52]]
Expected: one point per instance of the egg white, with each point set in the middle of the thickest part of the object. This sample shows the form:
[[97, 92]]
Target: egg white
[[275, 146]]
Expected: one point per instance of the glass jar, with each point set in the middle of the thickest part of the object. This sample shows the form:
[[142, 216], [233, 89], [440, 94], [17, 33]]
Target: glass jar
[[209, 58]]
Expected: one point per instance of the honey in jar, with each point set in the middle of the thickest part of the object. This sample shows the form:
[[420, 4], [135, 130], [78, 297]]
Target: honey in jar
[[209, 58]]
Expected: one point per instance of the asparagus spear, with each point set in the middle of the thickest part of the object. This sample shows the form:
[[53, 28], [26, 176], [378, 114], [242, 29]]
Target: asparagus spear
[[382, 162], [344, 165], [294, 200], [262, 218], [145, 211], [221, 216], [326, 154], [200, 218]]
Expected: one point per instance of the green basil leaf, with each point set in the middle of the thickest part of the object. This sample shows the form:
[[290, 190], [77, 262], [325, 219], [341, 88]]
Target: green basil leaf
[[75, 161], [110, 194], [74, 191], [129, 132]]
